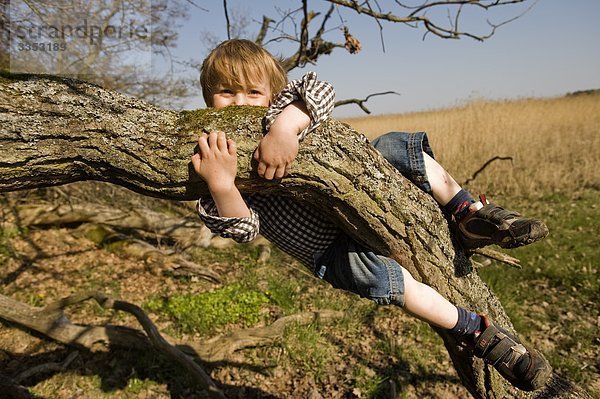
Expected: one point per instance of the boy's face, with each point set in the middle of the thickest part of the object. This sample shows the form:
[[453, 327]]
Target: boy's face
[[256, 93]]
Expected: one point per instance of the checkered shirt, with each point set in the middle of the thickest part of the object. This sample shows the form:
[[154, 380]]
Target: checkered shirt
[[294, 227]]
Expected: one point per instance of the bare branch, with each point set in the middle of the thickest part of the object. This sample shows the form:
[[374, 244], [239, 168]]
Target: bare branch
[[304, 33], [227, 19], [360, 102], [418, 15], [263, 30], [485, 165], [159, 343], [498, 256]]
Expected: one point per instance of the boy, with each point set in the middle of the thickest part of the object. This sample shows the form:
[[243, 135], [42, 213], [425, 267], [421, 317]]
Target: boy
[[238, 72]]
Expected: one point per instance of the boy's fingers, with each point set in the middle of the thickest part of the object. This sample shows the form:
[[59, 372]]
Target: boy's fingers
[[270, 173], [257, 154], [203, 144], [221, 141], [212, 140], [196, 161], [231, 146], [279, 172], [262, 168]]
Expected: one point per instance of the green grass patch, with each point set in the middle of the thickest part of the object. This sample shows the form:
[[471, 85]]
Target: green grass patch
[[205, 312], [284, 293], [308, 349], [566, 261], [369, 385]]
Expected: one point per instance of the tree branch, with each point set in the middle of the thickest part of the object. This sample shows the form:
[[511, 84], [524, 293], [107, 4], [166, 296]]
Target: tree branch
[[485, 165], [418, 15], [361, 103]]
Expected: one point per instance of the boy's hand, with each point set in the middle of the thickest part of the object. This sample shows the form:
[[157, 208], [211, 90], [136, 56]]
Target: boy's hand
[[216, 162], [276, 153], [278, 149]]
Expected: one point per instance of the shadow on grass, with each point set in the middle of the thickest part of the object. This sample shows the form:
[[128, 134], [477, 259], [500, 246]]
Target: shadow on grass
[[129, 371]]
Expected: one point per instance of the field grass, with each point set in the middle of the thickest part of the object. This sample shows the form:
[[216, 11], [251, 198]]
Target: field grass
[[554, 143]]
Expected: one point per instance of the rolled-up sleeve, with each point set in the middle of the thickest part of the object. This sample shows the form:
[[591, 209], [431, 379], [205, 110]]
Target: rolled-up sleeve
[[319, 97], [239, 229]]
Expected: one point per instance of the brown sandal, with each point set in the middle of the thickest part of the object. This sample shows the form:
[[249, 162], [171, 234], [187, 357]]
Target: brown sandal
[[504, 351]]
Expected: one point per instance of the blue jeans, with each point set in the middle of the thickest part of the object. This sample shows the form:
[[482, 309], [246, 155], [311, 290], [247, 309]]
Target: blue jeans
[[405, 152], [350, 266]]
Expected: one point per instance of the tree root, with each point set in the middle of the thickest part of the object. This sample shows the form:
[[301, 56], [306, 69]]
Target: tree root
[[46, 367], [219, 349], [53, 323]]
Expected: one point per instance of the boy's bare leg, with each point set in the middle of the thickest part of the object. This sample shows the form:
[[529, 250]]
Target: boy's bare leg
[[523, 366], [480, 223], [427, 304], [443, 186]]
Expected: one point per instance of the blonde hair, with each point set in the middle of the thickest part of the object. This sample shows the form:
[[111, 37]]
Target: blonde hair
[[239, 62]]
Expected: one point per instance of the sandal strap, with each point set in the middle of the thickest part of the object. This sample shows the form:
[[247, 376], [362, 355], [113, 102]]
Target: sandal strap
[[485, 339], [495, 343], [503, 350], [499, 351]]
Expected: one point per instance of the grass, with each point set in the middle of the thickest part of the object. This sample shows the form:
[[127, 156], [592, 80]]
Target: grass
[[554, 142], [208, 311], [369, 385], [308, 349]]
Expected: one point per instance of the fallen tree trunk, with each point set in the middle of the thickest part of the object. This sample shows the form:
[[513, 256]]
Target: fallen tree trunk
[[186, 232], [56, 131]]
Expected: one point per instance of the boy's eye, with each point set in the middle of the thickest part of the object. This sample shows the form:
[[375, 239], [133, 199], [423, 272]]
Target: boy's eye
[[226, 91], [255, 92]]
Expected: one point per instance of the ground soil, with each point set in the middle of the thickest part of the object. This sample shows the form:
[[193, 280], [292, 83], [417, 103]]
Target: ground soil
[[53, 263]]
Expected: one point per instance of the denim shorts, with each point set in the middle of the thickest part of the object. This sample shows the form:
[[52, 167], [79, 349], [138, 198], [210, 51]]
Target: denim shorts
[[405, 152], [350, 266]]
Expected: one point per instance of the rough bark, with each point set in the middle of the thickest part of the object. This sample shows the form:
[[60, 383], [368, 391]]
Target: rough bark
[[55, 131]]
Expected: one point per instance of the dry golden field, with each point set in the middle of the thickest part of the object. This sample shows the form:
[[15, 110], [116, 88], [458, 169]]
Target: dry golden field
[[554, 142]]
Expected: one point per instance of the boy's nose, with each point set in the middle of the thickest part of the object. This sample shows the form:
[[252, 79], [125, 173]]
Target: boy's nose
[[240, 99]]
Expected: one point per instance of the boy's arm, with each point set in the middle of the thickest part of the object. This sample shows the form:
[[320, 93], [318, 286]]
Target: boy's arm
[[299, 109], [278, 148], [227, 215]]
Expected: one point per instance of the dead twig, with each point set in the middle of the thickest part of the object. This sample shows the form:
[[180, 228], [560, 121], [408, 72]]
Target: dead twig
[[52, 322], [198, 374], [485, 165], [499, 256], [361, 103]]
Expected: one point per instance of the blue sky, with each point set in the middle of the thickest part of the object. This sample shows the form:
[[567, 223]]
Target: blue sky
[[551, 50]]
